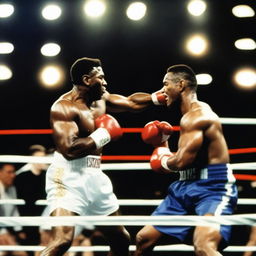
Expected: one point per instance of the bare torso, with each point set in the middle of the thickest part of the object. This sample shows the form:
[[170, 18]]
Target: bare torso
[[71, 120], [201, 136]]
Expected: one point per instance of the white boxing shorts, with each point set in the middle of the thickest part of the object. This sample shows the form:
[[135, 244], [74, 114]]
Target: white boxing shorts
[[79, 186]]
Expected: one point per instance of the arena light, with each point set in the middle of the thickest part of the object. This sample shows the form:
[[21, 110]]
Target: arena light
[[245, 44], [136, 11], [203, 79], [51, 12], [6, 48], [6, 10], [196, 45], [245, 78], [196, 7], [51, 76], [243, 11], [94, 8], [5, 72], [50, 49]]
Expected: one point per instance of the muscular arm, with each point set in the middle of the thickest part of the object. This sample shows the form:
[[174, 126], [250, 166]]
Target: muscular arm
[[191, 139], [66, 132], [197, 127], [188, 147], [133, 103]]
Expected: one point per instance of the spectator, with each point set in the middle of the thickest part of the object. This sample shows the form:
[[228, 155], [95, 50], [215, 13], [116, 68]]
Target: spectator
[[9, 236], [30, 184]]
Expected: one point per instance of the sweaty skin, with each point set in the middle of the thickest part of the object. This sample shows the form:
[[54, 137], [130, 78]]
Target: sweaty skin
[[72, 119], [201, 142], [72, 115]]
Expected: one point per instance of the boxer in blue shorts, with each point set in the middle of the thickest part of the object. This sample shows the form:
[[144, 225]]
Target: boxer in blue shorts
[[214, 192], [75, 183], [206, 184]]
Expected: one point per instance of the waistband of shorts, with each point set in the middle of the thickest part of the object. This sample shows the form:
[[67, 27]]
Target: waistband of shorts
[[89, 161], [212, 171]]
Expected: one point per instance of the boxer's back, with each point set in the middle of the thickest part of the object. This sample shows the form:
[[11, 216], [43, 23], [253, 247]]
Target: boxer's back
[[213, 146]]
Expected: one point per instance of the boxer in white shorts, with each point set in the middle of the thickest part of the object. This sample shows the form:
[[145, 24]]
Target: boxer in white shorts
[[75, 184], [79, 186]]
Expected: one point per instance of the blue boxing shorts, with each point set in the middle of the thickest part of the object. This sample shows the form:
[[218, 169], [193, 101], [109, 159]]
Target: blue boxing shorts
[[200, 191]]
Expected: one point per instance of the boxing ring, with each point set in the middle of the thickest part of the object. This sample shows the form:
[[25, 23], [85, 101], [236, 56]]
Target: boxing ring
[[133, 220]]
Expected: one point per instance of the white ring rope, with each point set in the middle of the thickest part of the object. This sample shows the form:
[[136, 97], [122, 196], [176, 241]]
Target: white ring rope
[[130, 220], [106, 166], [244, 166], [153, 202], [122, 202], [101, 248], [26, 159], [231, 120], [12, 201]]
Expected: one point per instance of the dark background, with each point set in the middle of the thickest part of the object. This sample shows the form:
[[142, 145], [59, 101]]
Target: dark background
[[135, 56]]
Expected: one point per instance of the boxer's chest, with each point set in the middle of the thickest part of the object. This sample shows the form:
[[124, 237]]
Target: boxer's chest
[[86, 117]]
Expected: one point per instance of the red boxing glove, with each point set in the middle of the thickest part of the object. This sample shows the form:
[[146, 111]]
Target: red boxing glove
[[159, 98], [107, 129], [110, 124], [159, 158], [156, 132]]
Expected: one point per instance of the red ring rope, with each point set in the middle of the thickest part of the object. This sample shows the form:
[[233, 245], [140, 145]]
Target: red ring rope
[[133, 157], [25, 131], [245, 177], [49, 131], [125, 130]]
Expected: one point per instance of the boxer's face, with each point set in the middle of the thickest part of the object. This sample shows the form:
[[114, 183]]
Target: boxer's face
[[96, 83], [171, 87]]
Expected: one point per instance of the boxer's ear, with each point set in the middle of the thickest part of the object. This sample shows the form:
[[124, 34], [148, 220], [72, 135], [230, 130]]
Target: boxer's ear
[[85, 79], [182, 84]]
